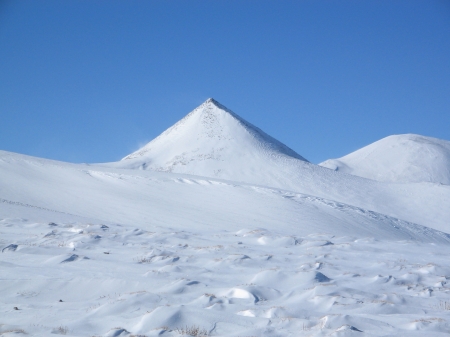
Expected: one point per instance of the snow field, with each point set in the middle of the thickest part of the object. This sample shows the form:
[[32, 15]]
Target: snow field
[[120, 280], [65, 191]]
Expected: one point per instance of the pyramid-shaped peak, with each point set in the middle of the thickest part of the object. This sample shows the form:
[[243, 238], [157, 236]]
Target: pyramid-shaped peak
[[212, 103], [211, 112], [213, 141], [212, 100]]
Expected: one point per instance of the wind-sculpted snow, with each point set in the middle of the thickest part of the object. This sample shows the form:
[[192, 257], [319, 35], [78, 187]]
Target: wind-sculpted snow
[[399, 158], [84, 279]]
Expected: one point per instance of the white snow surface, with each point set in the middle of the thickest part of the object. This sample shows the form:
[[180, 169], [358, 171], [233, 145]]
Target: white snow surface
[[399, 158], [212, 141], [284, 249]]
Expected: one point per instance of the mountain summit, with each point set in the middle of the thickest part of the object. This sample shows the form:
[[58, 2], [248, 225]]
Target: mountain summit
[[212, 141], [406, 158]]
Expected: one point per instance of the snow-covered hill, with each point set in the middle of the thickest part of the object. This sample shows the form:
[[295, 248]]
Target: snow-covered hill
[[181, 201], [89, 250], [212, 141], [399, 158], [217, 229]]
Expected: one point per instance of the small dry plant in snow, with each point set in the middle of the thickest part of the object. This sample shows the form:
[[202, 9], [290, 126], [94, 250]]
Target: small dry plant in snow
[[193, 330], [13, 331], [444, 305], [143, 259], [62, 330]]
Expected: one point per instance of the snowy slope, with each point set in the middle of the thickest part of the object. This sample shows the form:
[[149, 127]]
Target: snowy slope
[[254, 241], [181, 201], [399, 158], [88, 250], [212, 141]]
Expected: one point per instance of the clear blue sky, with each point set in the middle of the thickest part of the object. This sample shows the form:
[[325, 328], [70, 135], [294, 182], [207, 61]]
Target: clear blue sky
[[91, 81]]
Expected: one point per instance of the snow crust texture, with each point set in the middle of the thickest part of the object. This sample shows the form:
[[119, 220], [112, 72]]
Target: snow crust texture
[[83, 279], [399, 158]]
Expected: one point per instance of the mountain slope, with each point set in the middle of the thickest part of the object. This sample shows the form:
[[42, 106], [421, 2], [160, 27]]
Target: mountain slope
[[399, 158], [212, 141], [55, 190], [88, 250], [93, 250]]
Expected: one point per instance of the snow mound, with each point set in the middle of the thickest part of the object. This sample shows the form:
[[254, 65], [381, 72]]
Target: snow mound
[[212, 141], [399, 158]]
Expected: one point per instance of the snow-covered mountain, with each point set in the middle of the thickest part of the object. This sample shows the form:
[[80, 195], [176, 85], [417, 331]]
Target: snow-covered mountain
[[217, 229], [212, 141], [399, 158]]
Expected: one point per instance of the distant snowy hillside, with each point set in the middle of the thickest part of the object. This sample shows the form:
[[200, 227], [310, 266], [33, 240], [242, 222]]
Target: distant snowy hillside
[[46, 189], [212, 141], [399, 158]]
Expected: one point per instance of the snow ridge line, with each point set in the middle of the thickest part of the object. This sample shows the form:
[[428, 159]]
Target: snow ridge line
[[399, 224], [254, 130], [17, 203]]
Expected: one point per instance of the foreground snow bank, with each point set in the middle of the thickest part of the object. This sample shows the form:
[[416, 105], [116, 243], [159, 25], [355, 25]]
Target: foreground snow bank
[[83, 279]]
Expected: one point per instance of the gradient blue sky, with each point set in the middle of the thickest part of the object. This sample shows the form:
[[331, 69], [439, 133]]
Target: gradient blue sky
[[91, 81]]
